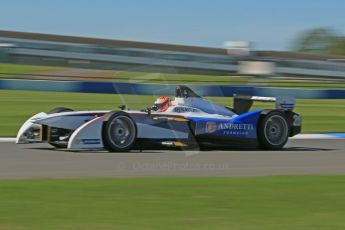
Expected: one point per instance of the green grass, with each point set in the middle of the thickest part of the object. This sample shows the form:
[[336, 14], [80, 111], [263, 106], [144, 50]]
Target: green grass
[[142, 77], [130, 76], [171, 78], [17, 106], [23, 69], [283, 202]]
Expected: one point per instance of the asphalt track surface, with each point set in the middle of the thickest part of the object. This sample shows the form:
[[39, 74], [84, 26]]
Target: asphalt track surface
[[300, 156]]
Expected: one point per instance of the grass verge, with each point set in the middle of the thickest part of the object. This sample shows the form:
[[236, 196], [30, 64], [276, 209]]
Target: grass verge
[[283, 202], [17, 106], [165, 78], [24, 69]]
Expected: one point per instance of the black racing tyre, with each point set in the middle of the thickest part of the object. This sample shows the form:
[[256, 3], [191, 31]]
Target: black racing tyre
[[273, 130], [60, 110], [119, 132]]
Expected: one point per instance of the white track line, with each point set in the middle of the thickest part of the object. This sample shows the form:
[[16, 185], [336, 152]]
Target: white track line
[[314, 136], [7, 139], [311, 136]]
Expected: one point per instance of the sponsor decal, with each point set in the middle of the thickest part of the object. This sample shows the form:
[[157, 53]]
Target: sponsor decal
[[287, 106], [229, 128], [91, 141], [184, 110]]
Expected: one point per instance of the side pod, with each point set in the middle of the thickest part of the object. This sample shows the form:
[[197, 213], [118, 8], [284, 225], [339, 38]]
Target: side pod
[[88, 135]]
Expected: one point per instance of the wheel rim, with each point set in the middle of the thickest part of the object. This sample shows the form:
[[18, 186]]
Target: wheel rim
[[276, 130], [121, 131]]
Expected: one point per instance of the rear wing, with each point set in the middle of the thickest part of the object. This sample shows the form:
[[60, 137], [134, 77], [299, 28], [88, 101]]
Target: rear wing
[[242, 103]]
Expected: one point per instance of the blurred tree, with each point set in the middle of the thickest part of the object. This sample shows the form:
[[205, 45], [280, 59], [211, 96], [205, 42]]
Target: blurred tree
[[338, 48], [318, 40]]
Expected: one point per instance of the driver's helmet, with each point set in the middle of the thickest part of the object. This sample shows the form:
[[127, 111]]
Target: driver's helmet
[[162, 104]]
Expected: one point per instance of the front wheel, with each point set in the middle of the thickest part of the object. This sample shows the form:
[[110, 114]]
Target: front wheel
[[273, 130], [119, 132]]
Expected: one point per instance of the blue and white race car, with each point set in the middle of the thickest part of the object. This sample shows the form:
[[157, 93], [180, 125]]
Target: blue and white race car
[[188, 121]]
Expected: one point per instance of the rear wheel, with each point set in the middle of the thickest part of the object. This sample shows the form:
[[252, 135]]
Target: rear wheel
[[119, 132], [273, 130]]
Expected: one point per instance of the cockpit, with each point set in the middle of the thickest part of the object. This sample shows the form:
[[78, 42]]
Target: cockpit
[[187, 101]]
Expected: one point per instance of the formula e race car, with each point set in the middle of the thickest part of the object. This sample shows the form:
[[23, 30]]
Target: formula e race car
[[189, 121]]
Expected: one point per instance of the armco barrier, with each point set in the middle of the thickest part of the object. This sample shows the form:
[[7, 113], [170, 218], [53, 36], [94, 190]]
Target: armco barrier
[[159, 89]]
